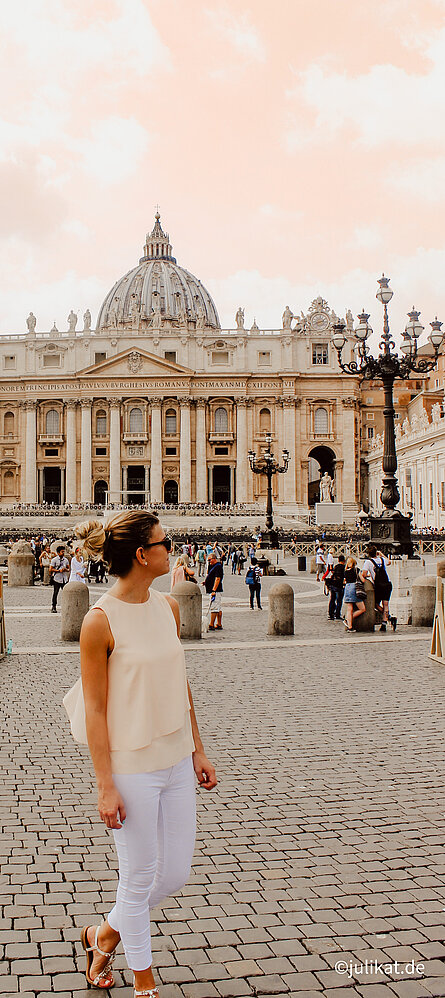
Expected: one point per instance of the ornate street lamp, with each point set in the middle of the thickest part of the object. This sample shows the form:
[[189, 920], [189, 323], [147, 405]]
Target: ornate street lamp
[[391, 530], [267, 465]]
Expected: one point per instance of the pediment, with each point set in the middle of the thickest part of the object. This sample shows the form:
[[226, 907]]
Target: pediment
[[135, 363]]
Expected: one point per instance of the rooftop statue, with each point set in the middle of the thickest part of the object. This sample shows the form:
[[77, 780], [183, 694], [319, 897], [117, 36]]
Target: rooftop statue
[[239, 318], [31, 322], [87, 321], [287, 318], [72, 321]]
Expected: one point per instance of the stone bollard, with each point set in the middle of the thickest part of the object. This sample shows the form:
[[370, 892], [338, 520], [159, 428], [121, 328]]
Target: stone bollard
[[3, 555], [313, 565], [440, 569], [46, 576], [424, 601], [75, 601], [21, 563], [366, 621], [189, 597], [281, 609]]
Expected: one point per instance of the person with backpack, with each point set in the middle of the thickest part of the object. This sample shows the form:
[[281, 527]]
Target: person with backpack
[[336, 587], [374, 568], [253, 580]]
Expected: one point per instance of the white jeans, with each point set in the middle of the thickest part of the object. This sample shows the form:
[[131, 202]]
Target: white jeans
[[155, 849]]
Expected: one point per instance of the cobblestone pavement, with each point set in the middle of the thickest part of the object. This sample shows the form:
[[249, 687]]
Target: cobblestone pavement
[[323, 841]]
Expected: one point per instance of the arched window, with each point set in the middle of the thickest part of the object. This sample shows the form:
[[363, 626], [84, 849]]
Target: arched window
[[101, 423], [9, 485], [265, 421], [52, 422], [170, 421], [136, 421], [9, 424], [221, 420], [321, 421]]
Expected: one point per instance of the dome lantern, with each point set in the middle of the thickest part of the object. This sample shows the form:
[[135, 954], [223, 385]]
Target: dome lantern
[[157, 243]]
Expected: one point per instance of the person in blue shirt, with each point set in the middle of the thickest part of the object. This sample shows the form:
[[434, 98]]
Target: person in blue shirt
[[214, 587]]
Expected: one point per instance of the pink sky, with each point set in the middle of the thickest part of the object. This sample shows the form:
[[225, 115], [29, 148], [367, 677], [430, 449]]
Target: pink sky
[[295, 147]]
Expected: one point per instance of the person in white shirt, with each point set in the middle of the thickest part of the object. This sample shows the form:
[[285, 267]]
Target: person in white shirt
[[374, 568], [320, 561], [78, 567]]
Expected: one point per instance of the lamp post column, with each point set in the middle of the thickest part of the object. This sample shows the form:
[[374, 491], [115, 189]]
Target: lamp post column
[[390, 494]]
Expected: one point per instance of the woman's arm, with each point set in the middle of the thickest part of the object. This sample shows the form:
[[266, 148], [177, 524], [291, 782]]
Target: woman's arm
[[96, 642], [204, 770]]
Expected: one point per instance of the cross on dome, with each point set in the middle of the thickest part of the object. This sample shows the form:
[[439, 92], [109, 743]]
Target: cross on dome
[[157, 243]]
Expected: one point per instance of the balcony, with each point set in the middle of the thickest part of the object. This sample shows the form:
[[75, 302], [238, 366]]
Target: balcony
[[135, 437], [221, 437], [50, 439]]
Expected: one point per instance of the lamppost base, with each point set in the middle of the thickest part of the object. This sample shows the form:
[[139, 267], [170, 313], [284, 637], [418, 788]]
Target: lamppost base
[[391, 533], [269, 539]]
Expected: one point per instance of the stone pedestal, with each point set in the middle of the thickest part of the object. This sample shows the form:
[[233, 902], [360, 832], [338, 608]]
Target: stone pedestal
[[423, 601], [440, 569], [21, 563], [75, 601], [4, 554], [328, 513], [189, 597], [366, 621], [403, 574], [281, 609]]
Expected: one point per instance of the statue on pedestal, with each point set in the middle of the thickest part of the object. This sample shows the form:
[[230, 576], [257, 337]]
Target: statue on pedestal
[[326, 488], [287, 318], [72, 321], [239, 318], [87, 321], [31, 322]]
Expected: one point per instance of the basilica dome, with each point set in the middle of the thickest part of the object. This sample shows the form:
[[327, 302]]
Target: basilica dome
[[157, 293]]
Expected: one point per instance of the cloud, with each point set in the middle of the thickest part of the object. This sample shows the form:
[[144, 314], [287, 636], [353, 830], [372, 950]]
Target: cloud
[[387, 104], [423, 179], [238, 30], [115, 149]]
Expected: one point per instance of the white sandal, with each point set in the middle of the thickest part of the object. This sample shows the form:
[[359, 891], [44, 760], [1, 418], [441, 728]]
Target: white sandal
[[99, 980], [152, 993]]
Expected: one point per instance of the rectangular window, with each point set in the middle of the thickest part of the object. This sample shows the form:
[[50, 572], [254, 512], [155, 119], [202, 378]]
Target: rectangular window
[[320, 353], [99, 357], [170, 355], [442, 493], [170, 423], [420, 497], [51, 452], [370, 416], [9, 362], [221, 450], [51, 360], [101, 451], [408, 480], [370, 432], [220, 357], [431, 496], [171, 451], [264, 357]]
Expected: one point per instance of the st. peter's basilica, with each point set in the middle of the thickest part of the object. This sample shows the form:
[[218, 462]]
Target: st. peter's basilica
[[158, 401]]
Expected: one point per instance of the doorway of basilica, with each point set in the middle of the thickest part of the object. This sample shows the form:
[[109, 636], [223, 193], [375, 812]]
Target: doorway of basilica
[[171, 492], [136, 484], [100, 492], [221, 484], [321, 460], [52, 485]]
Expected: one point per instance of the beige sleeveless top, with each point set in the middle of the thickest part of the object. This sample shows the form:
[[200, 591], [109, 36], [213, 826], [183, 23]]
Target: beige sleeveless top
[[148, 710]]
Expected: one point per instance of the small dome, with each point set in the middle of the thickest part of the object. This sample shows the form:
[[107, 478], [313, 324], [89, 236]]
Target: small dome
[[158, 292]]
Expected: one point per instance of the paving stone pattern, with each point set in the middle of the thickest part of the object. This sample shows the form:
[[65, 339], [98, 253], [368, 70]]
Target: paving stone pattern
[[323, 841]]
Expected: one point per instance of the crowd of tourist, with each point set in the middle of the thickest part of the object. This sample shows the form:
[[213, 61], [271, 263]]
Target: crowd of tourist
[[344, 583]]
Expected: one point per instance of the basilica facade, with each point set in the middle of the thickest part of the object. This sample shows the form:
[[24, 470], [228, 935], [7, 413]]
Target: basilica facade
[[158, 403]]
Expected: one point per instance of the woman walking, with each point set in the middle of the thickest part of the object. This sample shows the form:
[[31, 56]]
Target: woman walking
[[181, 571], [134, 707], [78, 566], [351, 599]]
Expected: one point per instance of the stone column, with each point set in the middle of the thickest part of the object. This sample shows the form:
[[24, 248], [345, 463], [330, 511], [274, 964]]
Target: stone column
[[289, 442], [349, 454], [185, 456], [71, 407], [31, 452], [85, 452], [242, 464], [201, 451], [114, 493], [156, 452]]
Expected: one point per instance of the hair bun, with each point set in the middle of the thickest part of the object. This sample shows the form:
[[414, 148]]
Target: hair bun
[[92, 534]]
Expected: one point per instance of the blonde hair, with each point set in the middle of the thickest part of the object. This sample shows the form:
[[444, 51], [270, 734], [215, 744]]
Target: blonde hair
[[351, 563], [118, 539], [182, 560]]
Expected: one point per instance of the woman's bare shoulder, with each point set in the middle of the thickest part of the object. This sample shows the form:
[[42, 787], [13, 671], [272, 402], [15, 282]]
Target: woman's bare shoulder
[[95, 626]]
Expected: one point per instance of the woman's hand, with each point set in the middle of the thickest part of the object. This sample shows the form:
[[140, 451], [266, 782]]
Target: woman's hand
[[110, 805], [204, 770]]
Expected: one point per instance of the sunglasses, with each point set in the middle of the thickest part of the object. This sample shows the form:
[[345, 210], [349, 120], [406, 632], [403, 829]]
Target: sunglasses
[[166, 541]]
